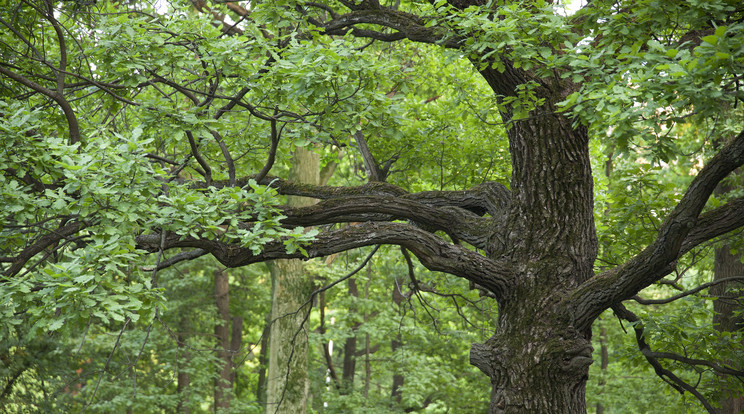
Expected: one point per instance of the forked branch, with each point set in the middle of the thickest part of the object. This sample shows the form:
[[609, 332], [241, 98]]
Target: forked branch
[[682, 230]]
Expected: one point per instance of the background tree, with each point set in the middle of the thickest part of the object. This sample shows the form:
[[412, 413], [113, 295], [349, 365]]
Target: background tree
[[288, 383]]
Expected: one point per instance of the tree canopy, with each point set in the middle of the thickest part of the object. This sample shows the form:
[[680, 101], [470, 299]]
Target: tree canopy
[[555, 161]]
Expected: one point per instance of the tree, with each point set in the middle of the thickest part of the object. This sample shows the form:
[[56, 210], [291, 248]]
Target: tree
[[162, 154], [728, 270], [288, 383]]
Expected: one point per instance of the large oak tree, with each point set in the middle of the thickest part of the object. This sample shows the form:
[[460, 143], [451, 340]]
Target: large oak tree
[[163, 118]]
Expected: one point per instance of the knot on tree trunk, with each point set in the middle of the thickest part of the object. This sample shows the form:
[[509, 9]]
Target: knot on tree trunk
[[481, 356]]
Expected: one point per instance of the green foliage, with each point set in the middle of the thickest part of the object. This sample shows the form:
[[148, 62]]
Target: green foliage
[[88, 325], [642, 72]]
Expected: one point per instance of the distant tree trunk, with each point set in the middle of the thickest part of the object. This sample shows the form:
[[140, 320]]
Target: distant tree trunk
[[604, 358], [367, 349], [725, 306], [183, 378], [263, 362], [350, 349], [604, 363], [223, 383], [236, 342], [398, 379], [728, 302], [288, 383]]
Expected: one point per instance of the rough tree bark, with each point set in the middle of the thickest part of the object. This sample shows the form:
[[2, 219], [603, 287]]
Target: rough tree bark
[[728, 301], [288, 383]]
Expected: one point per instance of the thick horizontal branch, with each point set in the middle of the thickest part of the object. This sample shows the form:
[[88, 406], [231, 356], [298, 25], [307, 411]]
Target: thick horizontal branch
[[456, 222], [434, 252], [683, 229], [321, 192], [490, 197], [406, 25], [715, 223]]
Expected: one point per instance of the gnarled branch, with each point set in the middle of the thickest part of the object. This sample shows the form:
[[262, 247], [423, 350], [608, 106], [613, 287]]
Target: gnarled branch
[[675, 235], [434, 252], [406, 25], [454, 221]]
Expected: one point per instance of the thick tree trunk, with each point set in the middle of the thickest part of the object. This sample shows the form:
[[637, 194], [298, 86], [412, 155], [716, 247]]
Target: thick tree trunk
[[535, 366], [288, 383], [538, 360]]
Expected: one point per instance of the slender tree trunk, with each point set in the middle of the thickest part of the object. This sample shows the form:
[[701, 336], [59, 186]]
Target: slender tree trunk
[[367, 349], [288, 383], [236, 342], [263, 361], [350, 349], [396, 343], [183, 378], [326, 346], [604, 356], [223, 383], [604, 363]]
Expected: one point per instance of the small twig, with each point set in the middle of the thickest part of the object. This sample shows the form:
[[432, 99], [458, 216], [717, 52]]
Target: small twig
[[108, 361], [308, 303], [417, 290], [199, 159], [687, 293], [228, 158], [85, 333], [272, 151], [180, 257], [666, 375]]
